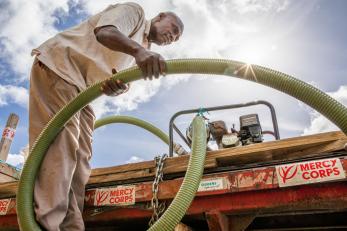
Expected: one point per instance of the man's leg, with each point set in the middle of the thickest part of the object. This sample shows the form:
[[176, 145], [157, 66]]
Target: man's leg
[[48, 93], [73, 220]]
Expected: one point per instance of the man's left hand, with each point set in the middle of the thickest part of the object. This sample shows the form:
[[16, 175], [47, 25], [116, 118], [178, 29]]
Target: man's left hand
[[114, 87]]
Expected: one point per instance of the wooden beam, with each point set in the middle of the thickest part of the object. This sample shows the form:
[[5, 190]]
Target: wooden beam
[[8, 189], [8, 173], [217, 221], [124, 168], [285, 149], [280, 150], [8, 135]]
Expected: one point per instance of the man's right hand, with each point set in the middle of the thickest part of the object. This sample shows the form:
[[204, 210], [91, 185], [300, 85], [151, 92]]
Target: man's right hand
[[151, 64]]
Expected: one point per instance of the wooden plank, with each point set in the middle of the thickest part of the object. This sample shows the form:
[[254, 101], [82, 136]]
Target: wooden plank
[[123, 168], [8, 172], [8, 189], [248, 182], [274, 150], [258, 152], [285, 149], [177, 164], [120, 176]]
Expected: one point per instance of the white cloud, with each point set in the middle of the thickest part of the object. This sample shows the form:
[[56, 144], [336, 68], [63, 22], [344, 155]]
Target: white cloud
[[220, 32], [321, 124], [13, 94], [18, 159], [134, 159], [249, 6], [35, 21], [15, 159], [139, 92], [24, 25]]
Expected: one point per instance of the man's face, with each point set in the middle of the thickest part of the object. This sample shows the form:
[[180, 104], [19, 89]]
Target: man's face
[[166, 30]]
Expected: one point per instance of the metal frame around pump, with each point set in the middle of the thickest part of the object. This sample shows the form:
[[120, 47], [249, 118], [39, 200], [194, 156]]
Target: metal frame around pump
[[172, 125]]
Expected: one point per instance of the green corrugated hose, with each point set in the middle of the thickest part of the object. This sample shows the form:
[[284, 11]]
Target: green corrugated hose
[[190, 184], [134, 121], [142, 124], [191, 181], [308, 94]]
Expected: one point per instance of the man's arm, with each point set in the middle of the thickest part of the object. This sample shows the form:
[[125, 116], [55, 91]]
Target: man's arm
[[150, 63]]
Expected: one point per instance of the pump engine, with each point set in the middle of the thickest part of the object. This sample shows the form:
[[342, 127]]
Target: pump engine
[[250, 132]]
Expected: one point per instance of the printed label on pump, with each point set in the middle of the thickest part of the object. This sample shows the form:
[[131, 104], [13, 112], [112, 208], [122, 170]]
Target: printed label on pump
[[116, 196], [212, 184], [8, 133], [4, 204], [310, 172]]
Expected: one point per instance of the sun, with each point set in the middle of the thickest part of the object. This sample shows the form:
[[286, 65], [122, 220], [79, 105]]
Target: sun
[[257, 52]]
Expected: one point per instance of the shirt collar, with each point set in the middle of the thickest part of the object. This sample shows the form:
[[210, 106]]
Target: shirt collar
[[146, 33]]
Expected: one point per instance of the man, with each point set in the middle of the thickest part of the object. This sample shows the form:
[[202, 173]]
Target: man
[[67, 64]]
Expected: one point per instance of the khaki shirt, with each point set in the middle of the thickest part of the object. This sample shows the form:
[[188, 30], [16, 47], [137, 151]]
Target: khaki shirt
[[77, 57]]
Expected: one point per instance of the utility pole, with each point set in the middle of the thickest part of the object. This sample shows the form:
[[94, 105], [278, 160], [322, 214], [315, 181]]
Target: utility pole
[[7, 136]]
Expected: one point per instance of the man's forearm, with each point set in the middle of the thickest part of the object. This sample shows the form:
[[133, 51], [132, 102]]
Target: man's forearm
[[113, 39], [150, 63]]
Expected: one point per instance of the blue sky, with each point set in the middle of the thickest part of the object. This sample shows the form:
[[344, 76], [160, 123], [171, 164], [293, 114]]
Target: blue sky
[[306, 39]]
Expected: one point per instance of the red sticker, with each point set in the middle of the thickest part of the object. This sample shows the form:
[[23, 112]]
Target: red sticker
[[117, 196], [4, 204], [309, 172], [8, 133]]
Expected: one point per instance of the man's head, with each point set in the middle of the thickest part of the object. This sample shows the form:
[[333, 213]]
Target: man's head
[[166, 28]]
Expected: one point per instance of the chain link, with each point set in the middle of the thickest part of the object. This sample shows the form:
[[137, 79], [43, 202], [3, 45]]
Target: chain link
[[158, 207]]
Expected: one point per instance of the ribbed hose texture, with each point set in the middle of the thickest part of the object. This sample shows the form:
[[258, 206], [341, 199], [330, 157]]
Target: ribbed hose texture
[[134, 121], [190, 184], [308, 94]]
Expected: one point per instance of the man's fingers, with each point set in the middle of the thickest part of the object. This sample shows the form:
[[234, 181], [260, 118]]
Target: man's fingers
[[143, 68], [106, 89], [162, 66], [152, 64], [121, 85], [156, 68], [114, 86], [150, 70]]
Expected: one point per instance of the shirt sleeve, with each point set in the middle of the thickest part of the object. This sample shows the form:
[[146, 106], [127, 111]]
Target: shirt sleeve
[[125, 17]]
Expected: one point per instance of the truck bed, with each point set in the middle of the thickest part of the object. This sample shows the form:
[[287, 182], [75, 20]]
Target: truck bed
[[290, 184]]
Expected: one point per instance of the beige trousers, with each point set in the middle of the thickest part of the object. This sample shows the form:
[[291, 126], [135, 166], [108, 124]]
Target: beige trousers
[[65, 170]]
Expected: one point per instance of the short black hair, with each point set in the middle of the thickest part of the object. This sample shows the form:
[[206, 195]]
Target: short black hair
[[178, 19]]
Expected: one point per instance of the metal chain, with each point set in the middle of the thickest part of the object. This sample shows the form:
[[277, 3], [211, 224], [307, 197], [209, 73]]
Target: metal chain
[[158, 208]]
